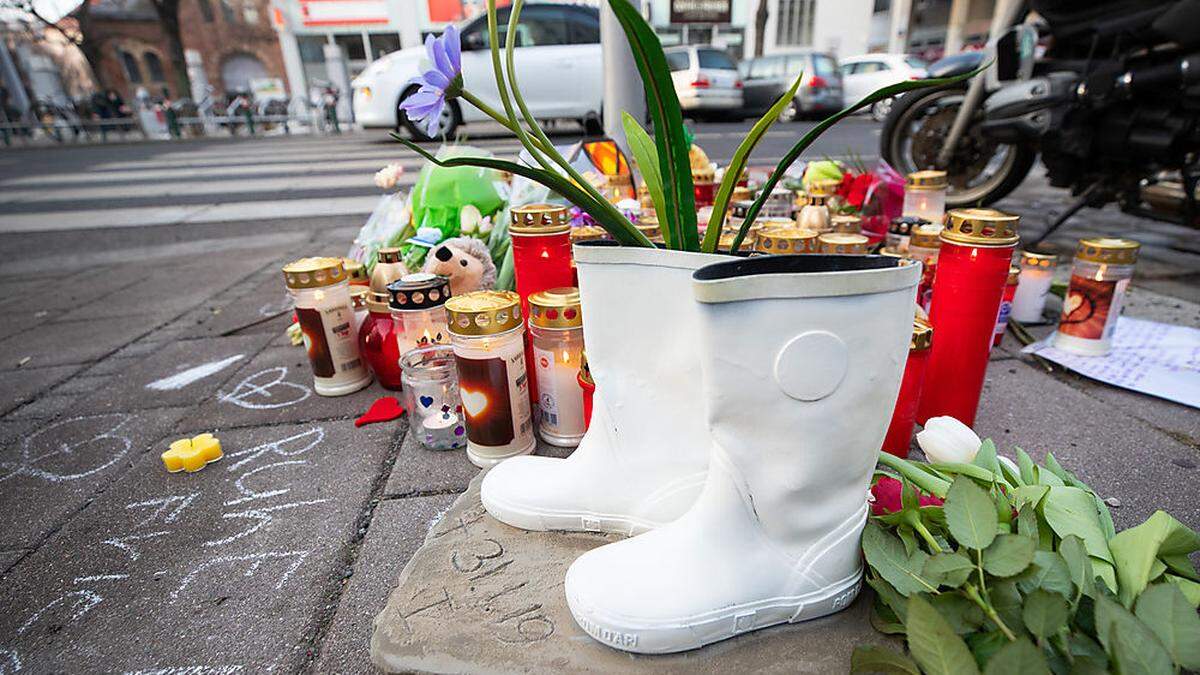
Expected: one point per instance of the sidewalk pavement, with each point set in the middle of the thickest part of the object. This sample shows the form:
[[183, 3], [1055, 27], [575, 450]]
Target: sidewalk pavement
[[280, 555]]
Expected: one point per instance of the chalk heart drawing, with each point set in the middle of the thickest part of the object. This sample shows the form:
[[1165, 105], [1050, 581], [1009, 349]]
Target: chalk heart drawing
[[265, 390], [185, 377], [71, 449]]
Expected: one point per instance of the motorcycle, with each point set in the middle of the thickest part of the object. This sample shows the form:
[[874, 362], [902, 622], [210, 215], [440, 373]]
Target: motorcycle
[[1112, 106]]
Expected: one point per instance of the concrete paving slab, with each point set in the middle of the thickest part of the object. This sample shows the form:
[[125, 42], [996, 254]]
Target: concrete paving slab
[[45, 407], [48, 474], [276, 388], [419, 470], [398, 526], [482, 597], [1117, 454], [231, 567], [182, 373], [25, 384], [74, 341]]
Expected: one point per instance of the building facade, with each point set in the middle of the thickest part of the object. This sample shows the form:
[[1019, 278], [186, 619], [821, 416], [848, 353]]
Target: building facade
[[930, 29]]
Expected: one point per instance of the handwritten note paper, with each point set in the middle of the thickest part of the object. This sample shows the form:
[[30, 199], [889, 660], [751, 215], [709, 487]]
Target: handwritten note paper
[[1149, 357]]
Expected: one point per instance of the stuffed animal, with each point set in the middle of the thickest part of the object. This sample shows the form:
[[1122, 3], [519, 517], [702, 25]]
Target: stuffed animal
[[466, 261]]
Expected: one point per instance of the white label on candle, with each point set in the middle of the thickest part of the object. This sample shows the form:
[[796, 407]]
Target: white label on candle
[[559, 393]]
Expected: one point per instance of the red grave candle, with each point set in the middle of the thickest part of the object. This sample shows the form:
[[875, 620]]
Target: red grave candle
[[541, 245], [904, 416], [968, 285], [377, 342]]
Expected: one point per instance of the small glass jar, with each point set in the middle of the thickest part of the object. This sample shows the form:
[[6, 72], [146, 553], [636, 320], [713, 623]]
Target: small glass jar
[[834, 243], [377, 342], [925, 196], [923, 245], [321, 292], [845, 223], [488, 335], [1099, 279], [778, 203], [900, 432], [1037, 275], [785, 241], [1006, 303], [556, 324], [417, 306], [389, 266], [431, 397], [814, 215], [900, 232], [358, 300]]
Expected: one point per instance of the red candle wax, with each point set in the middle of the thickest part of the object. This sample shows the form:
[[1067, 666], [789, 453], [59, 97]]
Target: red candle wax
[[706, 193], [904, 416], [377, 343], [968, 285]]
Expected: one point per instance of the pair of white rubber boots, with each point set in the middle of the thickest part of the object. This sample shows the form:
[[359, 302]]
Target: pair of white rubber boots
[[740, 406]]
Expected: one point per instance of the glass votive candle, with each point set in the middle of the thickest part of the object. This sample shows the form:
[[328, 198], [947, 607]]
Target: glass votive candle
[[488, 335], [1099, 279], [389, 266], [925, 195], [556, 324], [778, 203], [417, 304], [904, 416], [900, 232], [321, 292], [845, 223], [814, 215], [785, 241], [923, 245], [358, 300], [431, 397], [377, 342], [1037, 274], [704, 186], [1006, 301], [834, 243]]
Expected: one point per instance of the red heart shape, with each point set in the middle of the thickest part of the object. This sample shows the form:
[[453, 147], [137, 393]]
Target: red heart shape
[[383, 409]]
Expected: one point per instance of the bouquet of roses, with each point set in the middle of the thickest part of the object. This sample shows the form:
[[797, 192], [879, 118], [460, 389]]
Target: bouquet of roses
[[988, 565]]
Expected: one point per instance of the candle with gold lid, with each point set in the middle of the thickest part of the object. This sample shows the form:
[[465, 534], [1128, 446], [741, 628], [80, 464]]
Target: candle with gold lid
[[556, 324], [900, 232], [389, 266], [778, 203], [320, 289], [416, 303], [845, 223], [588, 385], [785, 240], [925, 195], [1037, 275], [358, 300], [814, 215], [1099, 279], [648, 225], [924, 243], [703, 184], [904, 415], [356, 271], [487, 333], [836, 243]]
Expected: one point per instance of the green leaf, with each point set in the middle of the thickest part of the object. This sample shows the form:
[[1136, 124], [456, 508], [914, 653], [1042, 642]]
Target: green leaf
[[1048, 478], [885, 554], [1049, 572], [933, 642], [712, 233], [984, 645], [1165, 611], [1189, 588], [1029, 494], [1045, 612], [1071, 510], [1079, 564], [813, 134], [986, 458], [970, 514], [646, 156], [1006, 600], [1008, 555], [889, 595], [907, 538], [888, 623], [1181, 565], [964, 616], [873, 659], [1135, 550], [962, 469], [1010, 471], [912, 471], [1088, 654], [1027, 523], [1028, 469], [1114, 622], [1136, 658], [948, 569], [675, 167], [1018, 657], [1055, 468]]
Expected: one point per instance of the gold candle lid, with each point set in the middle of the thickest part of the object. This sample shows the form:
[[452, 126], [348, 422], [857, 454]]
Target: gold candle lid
[[930, 179], [539, 219], [839, 243], [648, 225], [356, 271], [389, 254], [823, 188], [378, 303], [1108, 250], [846, 223], [703, 174], [314, 272], [555, 308], [587, 233], [981, 227], [741, 193], [892, 253], [1036, 259], [926, 236], [922, 335], [1014, 272], [786, 240], [484, 313]]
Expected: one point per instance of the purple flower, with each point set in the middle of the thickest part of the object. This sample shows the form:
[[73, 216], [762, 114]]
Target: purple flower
[[437, 85]]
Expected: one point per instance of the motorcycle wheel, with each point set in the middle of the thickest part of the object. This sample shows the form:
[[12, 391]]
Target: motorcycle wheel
[[981, 171]]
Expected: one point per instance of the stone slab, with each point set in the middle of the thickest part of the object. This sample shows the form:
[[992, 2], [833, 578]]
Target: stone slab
[[46, 406], [176, 285], [276, 387], [229, 568], [50, 473], [131, 390], [72, 342], [419, 470], [250, 310], [482, 597], [397, 529], [25, 384]]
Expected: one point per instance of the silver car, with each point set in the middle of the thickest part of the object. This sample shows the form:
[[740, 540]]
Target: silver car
[[768, 77], [706, 80]]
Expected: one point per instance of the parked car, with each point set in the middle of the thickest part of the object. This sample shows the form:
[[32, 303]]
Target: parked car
[[558, 67], [766, 78], [862, 75], [706, 81]]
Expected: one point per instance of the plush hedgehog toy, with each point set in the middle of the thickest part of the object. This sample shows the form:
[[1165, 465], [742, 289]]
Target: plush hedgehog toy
[[466, 261]]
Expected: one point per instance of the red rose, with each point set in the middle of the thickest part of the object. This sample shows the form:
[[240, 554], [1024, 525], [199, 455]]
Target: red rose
[[886, 497], [858, 189]]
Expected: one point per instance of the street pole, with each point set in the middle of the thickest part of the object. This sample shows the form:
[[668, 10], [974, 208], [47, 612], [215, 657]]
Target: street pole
[[623, 90]]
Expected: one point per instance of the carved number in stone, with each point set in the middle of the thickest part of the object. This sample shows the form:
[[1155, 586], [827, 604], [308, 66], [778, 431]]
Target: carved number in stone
[[525, 626], [469, 562]]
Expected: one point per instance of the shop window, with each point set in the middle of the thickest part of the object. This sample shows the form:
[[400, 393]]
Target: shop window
[[154, 67], [133, 72], [795, 25], [312, 48], [352, 46], [384, 43]]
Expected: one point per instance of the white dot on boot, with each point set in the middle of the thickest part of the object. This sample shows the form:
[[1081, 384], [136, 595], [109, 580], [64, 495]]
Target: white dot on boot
[[811, 365]]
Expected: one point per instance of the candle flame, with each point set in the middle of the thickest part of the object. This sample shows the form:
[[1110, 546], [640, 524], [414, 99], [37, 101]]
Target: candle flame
[[566, 358]]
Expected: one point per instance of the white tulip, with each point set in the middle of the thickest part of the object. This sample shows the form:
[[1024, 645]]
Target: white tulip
[[945, 439]]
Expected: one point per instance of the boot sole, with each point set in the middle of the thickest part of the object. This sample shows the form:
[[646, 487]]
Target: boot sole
[[564, 521], [685, 633]]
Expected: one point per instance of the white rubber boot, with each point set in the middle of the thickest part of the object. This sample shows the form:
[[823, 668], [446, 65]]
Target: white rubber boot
[[643, 460], [802, 360]]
